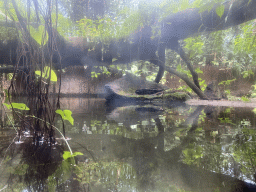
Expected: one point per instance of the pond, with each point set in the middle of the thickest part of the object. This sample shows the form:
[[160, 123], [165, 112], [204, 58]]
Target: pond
[[135, 148]]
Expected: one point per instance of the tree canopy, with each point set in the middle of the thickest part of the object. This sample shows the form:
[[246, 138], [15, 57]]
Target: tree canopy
[[139, 25]]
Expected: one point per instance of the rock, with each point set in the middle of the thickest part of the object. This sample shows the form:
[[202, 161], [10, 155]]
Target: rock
[[212, 91], [130, 87]]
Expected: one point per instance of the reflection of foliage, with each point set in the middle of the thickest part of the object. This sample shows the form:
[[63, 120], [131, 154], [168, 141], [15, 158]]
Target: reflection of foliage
[[231, 150], [226, 120], [202, 117], [62, 174], [192, 154], [64, 171], [138, 130], [245, 151], [108, 174], [19, 169]]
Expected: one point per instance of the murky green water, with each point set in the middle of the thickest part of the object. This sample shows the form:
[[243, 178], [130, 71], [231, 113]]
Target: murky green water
[[136, 148]]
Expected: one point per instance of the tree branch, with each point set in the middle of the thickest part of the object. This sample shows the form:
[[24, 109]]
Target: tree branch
[[185, 78]]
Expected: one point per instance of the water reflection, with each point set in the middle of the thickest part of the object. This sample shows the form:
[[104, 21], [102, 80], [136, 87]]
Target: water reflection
[[139, 148]]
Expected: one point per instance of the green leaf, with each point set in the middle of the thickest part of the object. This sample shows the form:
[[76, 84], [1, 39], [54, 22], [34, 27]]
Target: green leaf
[[39, 34], [245, 99], [67, 154], [39, 73], [66, 115], [20, 106], [10, 76], [47, 73], [198, 70], [220, 10], [77, 153]]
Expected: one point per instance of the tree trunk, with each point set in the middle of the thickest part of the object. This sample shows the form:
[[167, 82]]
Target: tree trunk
[[189, 22]]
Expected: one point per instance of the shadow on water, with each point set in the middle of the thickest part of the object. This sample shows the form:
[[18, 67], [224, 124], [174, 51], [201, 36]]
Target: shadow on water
[[137, 148]]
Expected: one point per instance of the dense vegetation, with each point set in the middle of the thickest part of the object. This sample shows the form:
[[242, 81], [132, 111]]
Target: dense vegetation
[[38, 26], [105, 21]]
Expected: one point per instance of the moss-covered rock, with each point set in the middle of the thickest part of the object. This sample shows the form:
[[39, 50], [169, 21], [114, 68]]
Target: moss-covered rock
[[127, 87]]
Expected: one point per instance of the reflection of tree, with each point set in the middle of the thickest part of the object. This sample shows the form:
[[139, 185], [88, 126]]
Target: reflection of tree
[[144, 164], [234, 157], [245, 152], [37, 164], [42, 161], [104, 174]]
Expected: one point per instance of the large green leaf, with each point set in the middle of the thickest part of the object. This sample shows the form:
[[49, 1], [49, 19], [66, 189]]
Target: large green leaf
[[66, 115], [20, 106], [220, 10], [47, 73], [39, 34]]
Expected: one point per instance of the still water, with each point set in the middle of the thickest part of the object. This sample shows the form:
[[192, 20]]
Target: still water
[[135, 148]]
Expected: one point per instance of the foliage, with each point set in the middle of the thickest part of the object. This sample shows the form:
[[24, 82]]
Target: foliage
[[226, 120], [20, 106], [67, 154], [245, 99], [47, 73], [66, 115], [248, 73], [225, 84], [194, 45], [253, 91], [192, 154], [188, 73], [105, 29], [39, 34], [94, 173], [244, 149]]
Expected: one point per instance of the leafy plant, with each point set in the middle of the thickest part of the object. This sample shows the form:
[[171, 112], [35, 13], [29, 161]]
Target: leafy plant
[[247, 73], [67, 154], [39, 34], [47, 73], [20, 106], [226, 120], [253, 91], [185, 87], [220, 10], [66, 115], [245, 99], [225, 83], [192, 154], [94, 74]]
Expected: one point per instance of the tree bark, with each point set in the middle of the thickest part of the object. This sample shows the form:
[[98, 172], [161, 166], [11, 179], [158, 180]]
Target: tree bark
[[190, 22]]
